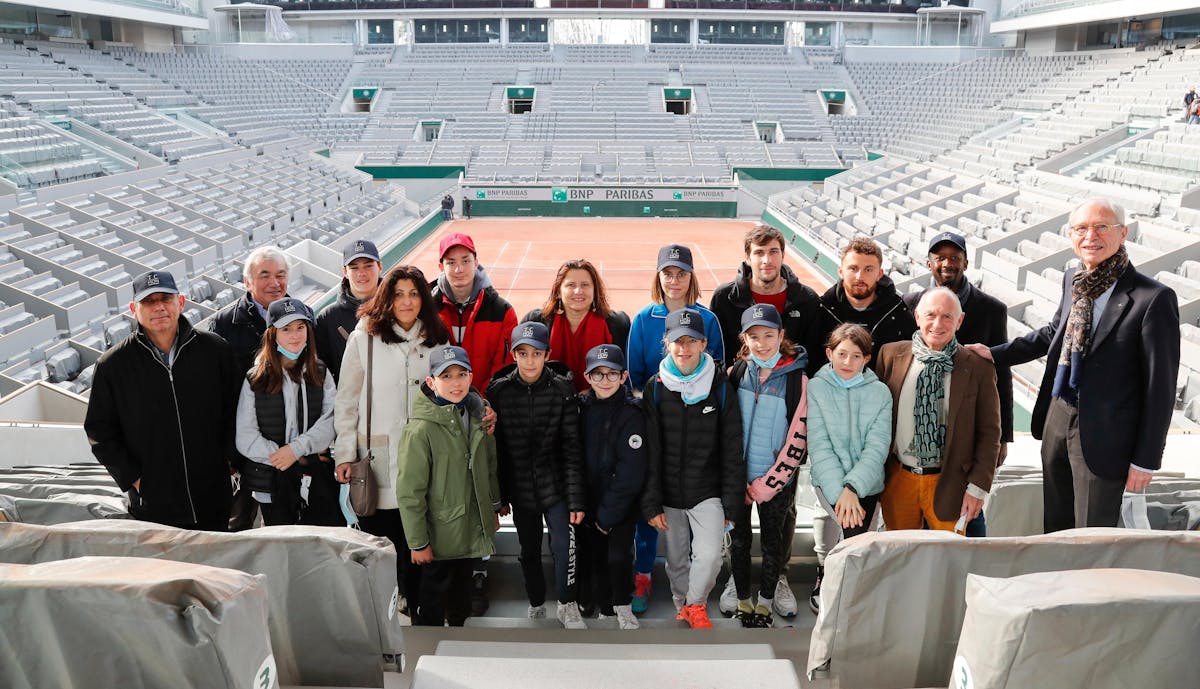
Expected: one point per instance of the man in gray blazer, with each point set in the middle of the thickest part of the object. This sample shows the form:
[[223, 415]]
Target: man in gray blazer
[[1112, 355]]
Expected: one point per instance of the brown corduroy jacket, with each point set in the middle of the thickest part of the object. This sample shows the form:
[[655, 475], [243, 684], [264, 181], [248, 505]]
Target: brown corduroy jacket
[[972, 428]]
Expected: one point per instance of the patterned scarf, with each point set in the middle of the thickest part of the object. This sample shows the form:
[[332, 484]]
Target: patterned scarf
[[1086, 287], [929, 433]]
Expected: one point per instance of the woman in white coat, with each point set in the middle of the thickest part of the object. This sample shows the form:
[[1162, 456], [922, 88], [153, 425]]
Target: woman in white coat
[[390, 348]]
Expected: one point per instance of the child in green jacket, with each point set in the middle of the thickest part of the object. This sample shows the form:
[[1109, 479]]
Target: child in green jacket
[[447, 490]]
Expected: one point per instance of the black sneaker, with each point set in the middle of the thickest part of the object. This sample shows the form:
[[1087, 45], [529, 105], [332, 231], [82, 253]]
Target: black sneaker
[[762, 620], [814, 598], [479, 597], [747, 618]]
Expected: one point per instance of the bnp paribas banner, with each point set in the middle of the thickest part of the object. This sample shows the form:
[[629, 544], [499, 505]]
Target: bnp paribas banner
[[573, 194]]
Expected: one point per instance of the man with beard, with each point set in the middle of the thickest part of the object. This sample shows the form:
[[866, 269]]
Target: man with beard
[[865, 296], [764, 279], [985, 321]]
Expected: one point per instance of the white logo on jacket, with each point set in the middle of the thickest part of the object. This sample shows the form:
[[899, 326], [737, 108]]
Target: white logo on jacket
[[707, 410], [635, 441]]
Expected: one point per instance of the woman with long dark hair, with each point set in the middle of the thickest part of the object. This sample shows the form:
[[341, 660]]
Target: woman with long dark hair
[[579, 317], [387, 358], [285, 423]]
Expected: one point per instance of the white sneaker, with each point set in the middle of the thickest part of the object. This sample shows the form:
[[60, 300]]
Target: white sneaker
[[537, 612], [625, 617], [568, 614], [729, 599], [785, 600]]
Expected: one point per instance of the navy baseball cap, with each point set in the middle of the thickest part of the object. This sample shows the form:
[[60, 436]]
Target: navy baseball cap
[[675, 255], [685, 322], [942, 237], [608, 355], [533, 334], [761, 314], [445, 356], [153, 282], [288, 309], [360, 249]]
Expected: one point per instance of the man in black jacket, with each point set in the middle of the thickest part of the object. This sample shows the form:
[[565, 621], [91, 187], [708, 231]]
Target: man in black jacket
[[863, 295], [1108, 393], [764, 279], [161, 413], [361, 267], [985, 320], [242, 324]]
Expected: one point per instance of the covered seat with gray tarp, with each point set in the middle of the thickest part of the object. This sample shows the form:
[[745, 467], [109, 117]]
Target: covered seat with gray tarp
[[332, 592], [922, 575], [132, 622], [62, 508], [1080, 628]]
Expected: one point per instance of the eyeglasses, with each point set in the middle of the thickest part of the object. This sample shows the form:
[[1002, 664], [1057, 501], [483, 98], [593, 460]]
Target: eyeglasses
[[674, 277], [1098, 228], [610, 376]]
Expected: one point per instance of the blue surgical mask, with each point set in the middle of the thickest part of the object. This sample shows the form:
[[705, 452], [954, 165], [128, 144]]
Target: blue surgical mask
[[768, 363], [287, 354], [858, 378]]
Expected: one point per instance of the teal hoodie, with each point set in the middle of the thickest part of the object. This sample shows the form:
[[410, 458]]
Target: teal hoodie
[[849, 433]]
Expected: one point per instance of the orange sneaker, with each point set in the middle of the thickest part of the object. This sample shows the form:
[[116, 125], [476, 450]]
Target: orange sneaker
[[696, 616]]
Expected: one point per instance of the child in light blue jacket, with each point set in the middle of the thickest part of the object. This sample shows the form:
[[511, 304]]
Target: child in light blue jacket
[[849, 432]]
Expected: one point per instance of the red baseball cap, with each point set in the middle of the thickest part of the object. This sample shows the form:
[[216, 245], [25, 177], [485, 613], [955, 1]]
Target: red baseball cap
[[452, 240]]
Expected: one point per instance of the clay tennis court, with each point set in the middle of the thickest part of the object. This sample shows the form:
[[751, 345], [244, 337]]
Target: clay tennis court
[[522, 256]]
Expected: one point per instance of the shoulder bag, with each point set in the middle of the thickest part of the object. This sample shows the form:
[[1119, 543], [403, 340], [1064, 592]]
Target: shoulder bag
[[364, 492]]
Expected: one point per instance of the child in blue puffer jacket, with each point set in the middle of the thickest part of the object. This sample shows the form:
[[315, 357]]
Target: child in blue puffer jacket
[[849, 432], [771, 387]]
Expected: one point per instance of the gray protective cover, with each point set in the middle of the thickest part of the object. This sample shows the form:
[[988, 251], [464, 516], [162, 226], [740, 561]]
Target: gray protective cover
[[63, 508], [1119, 628], [892, 603], [46, 491], [332, 591], [1014, 506], [132, 623]]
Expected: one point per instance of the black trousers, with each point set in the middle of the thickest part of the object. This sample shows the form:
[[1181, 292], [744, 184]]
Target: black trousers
[[386, 523], [605, 566], [775, 535], [562, 547], [445, 593], [244, 511], [1072, 496]]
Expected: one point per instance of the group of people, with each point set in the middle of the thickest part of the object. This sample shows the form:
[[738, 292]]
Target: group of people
[[610, 431]]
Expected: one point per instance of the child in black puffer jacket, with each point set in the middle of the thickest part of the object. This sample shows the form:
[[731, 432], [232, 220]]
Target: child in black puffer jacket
[[541, 465], [613, 431]]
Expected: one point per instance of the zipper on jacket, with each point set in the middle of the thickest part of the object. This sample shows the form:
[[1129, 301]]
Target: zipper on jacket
[[179, 421]]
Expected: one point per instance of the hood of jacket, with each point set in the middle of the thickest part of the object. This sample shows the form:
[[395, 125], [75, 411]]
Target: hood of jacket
[[886, 298], [346, 298], [425, 408], [829, 376], [741, 293], [482, 282]]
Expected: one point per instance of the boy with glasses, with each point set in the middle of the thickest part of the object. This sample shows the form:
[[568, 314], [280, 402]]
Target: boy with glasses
[[613, 432]]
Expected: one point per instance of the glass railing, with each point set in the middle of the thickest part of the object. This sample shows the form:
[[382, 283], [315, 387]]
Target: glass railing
[[190, 8], [296, 5], [1024, 8]]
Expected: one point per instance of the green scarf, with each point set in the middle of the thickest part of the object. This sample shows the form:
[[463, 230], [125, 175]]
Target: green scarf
[[929, 433]]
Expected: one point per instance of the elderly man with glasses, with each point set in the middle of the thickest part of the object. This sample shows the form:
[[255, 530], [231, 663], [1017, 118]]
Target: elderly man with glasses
[[1112, 355]]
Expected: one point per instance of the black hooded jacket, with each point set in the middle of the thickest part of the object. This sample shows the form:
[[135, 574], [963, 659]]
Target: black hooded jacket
[[614, 433], [340, 316], [801, 312], [537, 438], [887, 319]]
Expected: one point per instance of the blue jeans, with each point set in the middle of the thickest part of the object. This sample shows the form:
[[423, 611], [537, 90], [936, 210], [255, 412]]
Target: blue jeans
[[977, 527], [645, 544]]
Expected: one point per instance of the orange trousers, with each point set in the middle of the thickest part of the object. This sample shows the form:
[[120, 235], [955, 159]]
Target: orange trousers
[[907, 501]]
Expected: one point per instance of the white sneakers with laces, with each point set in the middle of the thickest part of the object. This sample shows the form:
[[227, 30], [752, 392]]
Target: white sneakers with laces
[[785, 600], [729, 599], [569, 615], [537, 612], [625, 617]]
